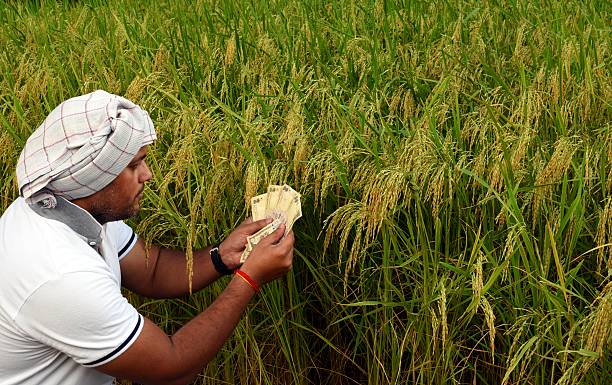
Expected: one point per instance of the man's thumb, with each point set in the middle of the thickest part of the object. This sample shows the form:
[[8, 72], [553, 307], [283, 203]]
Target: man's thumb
[[276, 235]]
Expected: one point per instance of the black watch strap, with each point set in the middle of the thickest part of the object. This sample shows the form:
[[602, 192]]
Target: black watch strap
[[218, 263]]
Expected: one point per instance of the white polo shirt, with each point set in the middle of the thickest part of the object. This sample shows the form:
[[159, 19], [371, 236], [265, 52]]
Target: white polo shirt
[[61, 309]]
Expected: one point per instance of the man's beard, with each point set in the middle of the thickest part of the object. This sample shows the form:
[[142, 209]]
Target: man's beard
[[107, 213]]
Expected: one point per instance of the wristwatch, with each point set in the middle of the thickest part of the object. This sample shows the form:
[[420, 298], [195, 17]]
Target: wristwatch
[[218, 262]]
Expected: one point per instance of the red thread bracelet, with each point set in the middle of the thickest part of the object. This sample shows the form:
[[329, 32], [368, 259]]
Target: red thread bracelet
[[248, 280]]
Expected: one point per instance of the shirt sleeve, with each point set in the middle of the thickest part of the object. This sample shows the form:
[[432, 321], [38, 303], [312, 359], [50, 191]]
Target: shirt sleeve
[[122, 236], [83, 315]]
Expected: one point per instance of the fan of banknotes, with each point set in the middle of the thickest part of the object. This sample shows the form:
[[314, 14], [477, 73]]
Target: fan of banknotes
[[281, 204]]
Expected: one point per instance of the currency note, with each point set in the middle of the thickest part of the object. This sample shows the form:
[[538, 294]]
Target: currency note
[[286, 199], [294, 212], [254, 239], [274, 193], [258, 206], [245, 255], [264, 232]]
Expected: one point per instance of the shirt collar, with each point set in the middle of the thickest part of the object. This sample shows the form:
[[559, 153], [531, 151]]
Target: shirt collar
[[73, 216]]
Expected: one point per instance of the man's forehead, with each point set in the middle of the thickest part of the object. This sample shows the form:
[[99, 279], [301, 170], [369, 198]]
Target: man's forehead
[[141, 153]]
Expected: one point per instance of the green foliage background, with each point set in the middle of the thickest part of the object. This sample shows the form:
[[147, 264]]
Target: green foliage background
[[453, 160]]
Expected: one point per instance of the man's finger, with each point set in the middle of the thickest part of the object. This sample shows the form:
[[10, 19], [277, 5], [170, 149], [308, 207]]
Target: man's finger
[[253, 227], [288, 241], [290, 237], [275, 236]]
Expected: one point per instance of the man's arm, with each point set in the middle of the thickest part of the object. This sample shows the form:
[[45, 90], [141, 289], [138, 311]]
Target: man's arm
[[164, 273], [155, 358]]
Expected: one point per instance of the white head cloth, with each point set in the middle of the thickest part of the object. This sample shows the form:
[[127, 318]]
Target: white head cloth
[[81, 147]]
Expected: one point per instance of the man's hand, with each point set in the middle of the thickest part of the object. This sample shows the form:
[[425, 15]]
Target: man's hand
[[271, 258], [232, 247]]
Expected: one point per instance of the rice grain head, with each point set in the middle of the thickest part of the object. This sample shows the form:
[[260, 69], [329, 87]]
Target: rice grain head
[[215, 199], [436, 191], [294, 140], [8, 154], [303, 151], [384, 191], [519, 154], [136, 89], [568, 53], [495, 176], [252, 181], [490, 323], [609, 156], [517, 330], [603, 238], [569, 342], [554, 87], [395, 102], [348, 219], [479, 168], [230, 51], [196, 208], [409, 108], [435, 327], [477, 280], [280, 173], [552, 173], [521, 52], [161, 59], [512, 240], [322, 168], [599, 334], [573, 374], [443, 319], [181, 158], [36, 81]]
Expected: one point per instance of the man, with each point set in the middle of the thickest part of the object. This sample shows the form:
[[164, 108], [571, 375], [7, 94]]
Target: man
[[65, 252]]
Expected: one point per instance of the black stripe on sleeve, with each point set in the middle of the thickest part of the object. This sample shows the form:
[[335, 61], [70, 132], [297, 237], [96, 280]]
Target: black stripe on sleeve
[[127, 245], [118, 349]]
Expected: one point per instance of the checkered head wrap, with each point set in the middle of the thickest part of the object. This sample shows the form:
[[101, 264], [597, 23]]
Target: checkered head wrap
[[81, 147]]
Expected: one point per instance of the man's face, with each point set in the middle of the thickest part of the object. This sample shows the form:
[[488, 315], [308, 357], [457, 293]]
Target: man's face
[[121, 198]]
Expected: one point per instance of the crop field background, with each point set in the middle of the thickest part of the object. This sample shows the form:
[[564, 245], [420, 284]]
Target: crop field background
[[454, 160]]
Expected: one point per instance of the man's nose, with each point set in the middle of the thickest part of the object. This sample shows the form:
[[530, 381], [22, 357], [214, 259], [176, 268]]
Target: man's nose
[[146, 175]]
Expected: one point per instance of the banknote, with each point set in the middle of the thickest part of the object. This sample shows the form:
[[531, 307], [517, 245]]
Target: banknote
[[274, 194], [294, 212], [254, 239], [282, 204], [258, 206], [261, 234]]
